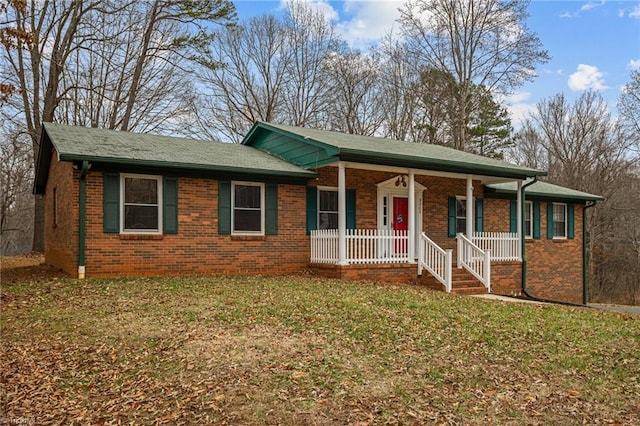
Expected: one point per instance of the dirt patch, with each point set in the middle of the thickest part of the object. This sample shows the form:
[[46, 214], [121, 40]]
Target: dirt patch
[[25, 268]]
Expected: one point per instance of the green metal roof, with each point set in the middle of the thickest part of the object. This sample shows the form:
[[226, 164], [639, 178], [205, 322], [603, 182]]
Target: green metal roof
[[311, 148], [74, 143], [541, 190]]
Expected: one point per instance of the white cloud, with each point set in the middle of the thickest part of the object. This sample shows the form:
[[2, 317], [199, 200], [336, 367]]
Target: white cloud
[[592, 5], [321, 6], [587, 77], [519, 107], [635, 12], [634, 64], [584, 8], [368, 20]]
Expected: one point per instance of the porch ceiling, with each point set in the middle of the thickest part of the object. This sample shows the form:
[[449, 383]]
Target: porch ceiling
[[311, 148]]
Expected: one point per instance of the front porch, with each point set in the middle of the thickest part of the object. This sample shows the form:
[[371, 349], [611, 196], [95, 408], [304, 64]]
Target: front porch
[[383, 254], [361, 218]]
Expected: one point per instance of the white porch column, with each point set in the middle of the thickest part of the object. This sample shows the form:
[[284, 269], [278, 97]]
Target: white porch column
[[519, 218], [412, 218], [470, 207], [342, 215]]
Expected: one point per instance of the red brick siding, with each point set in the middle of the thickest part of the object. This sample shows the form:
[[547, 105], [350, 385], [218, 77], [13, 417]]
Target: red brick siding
[[61, 239], [554, 267], [197, 248]]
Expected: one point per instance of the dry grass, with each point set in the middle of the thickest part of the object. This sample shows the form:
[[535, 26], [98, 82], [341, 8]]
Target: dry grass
[[237, 350]]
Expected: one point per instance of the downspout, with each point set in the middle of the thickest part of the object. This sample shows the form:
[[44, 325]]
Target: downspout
[[584, 251], [82, 212], [524, 262]]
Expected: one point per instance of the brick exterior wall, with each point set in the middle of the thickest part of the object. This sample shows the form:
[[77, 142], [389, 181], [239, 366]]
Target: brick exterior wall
[[61, 237], [197, 248], [554, 268]]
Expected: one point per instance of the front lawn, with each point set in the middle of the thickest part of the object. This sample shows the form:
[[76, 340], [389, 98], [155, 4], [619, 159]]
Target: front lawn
[[295, 350]]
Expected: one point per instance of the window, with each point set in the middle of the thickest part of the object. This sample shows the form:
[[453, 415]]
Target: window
[[461, 215], [327, 209], [248, 208], [141, 201], [528, 219], [559, 220]]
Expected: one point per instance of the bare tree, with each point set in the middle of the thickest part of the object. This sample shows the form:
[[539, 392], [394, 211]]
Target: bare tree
[[267, 69], [247, 87], [355, 92], [584, 148], [484, 42], [103, 62], [311, 39], [57, 29], [398, 81], [629, 108], [16, 201]]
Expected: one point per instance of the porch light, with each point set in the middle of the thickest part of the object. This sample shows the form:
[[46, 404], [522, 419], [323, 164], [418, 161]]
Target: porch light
[[401, 180]]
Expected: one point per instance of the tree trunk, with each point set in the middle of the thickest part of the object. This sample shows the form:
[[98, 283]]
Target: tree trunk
[[38, 224]]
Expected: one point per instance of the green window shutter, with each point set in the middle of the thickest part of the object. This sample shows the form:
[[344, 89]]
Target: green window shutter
[[479, 215], [513, 216], [224, 207], [312, 209], [571, 223], [350, 196], [111, 198], [170, 205], [271, 215], [549, 220], [536, 220], [452, 217]]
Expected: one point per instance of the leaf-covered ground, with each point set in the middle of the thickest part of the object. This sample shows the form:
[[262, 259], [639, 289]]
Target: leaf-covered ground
[[296, 350]]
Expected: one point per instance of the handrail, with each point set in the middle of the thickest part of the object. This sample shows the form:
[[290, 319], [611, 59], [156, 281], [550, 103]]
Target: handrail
[[475, 260], [435, 260]]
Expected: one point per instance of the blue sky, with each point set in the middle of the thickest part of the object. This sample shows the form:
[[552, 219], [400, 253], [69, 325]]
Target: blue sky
[[593, 44]]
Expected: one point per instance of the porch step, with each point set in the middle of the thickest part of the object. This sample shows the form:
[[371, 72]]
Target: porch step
[[462, 282]]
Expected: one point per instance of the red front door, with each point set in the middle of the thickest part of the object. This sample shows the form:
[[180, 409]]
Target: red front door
[[400, 221]]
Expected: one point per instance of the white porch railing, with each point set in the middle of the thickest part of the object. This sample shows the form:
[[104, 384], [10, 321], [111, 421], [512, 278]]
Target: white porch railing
[[503, 245], [475, 260], [324, 246], [363, 246], [435, 260]]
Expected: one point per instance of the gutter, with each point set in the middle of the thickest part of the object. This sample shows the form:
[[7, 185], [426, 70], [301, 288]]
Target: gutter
[[82, 213], [584, 251], [524, 261]]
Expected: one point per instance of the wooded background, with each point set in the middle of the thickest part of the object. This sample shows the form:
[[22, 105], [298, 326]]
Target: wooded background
[[190, 68]]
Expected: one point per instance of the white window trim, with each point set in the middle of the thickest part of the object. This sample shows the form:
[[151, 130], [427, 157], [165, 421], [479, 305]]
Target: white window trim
[[262, 208], [323, 188], [158, 231], [566, 221], [528, 233]]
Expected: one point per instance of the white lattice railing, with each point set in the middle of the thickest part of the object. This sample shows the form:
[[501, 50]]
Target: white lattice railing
[[435, 260], [363, 246], [503, 245], [475, 260]]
